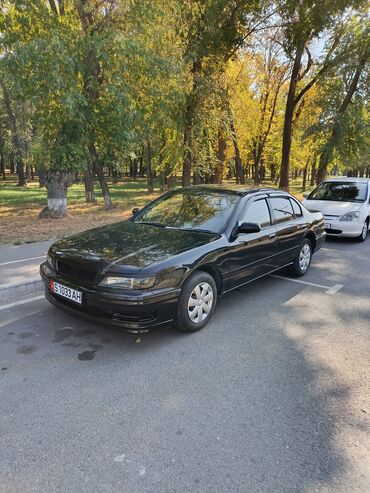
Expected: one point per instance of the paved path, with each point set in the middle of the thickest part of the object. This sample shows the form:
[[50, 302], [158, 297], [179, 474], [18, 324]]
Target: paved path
[[272, 396], [21, 262]]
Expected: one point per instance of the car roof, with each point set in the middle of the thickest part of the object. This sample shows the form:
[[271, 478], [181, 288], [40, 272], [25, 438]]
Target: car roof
[[237, 189], [348, 178]]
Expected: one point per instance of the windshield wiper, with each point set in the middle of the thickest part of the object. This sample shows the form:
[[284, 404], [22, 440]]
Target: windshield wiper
[[198, 230], [151, 223]]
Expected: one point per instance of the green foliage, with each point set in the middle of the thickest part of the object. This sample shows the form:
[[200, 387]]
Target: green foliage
[[123, 76]]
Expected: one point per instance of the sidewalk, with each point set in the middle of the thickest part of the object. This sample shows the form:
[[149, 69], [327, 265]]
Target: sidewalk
[[19, 267]]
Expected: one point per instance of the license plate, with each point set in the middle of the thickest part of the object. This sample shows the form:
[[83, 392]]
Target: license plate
[[327, 225], [66, 292]]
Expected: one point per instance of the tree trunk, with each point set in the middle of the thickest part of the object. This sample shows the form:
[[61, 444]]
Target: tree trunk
[[305, 170], [313, 173], [141, 170], [28, 172], [133, 169], [189, 121], [42, 177], [89, 185], [161, 182], [17, 151], [171, 180], [149, 167], [273, 171], [256, 166], [288, 119], [20, 172], [11, 167], [2, 159], [57, 185], [239, 170], [325, 158], [220, 157], [2, 164], [97, 167]]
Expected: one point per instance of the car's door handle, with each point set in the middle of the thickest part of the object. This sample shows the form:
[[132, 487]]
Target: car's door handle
[[272, 235]]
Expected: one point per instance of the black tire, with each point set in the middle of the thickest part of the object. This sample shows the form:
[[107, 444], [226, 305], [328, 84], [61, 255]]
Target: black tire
[[362, 237], [299, 267], [183, 321]]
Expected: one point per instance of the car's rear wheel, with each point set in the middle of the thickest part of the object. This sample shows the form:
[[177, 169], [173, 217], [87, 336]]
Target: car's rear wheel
[[302, 260], [364, 232], [197, 302]]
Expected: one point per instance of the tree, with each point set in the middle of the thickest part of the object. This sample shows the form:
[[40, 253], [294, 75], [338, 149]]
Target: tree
[[16, 141], [337, 132], [214, 30], [303, 22]]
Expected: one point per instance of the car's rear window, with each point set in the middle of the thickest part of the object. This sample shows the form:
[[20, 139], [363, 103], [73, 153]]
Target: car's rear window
[[341, 191]]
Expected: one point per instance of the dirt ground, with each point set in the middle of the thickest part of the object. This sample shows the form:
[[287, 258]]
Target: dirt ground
[[27, 227]]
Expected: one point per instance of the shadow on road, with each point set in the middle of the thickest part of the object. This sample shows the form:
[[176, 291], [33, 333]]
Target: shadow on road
[[243, 405]]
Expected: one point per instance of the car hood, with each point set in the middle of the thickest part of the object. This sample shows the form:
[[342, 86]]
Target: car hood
[[330, 208], [127, 245]]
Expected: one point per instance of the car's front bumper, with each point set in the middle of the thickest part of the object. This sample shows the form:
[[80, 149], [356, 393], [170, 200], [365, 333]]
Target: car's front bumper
[[349, 229], [135, 312]]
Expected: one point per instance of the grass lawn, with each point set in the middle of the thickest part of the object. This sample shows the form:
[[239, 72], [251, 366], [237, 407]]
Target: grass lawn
[[20, 206]]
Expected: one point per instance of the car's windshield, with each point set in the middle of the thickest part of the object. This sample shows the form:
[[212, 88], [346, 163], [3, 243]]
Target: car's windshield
[[341, 191], [201, 210]]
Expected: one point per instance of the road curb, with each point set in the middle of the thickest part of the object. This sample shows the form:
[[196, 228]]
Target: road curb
[[15, 288]]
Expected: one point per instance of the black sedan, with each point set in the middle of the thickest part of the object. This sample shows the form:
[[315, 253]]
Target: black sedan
[[172, 259]]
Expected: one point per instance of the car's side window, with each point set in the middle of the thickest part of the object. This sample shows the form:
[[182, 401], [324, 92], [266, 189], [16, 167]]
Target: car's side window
[[257, 212], [282, 207], [296, 208]]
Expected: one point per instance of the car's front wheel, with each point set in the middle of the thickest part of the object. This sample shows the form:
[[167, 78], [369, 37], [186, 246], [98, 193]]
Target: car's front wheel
[[197, 302], [302, 260], [365, 229]]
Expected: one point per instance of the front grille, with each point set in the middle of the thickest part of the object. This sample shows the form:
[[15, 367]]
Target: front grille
[[76, 273], [334, 231], [330, 217]]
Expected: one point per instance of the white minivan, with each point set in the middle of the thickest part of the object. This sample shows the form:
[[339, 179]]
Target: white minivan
[[345, 205]]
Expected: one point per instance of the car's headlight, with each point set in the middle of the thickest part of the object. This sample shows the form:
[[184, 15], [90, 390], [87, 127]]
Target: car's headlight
[[350, 216], [129, 282]]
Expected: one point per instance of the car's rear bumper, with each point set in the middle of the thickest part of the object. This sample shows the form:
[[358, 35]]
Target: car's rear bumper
[[136, 312]]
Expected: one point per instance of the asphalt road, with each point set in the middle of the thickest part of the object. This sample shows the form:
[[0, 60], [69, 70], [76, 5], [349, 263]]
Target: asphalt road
[[272, 396], [21, 262]]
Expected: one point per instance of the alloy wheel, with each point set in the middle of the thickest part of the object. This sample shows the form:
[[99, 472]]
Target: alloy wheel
[[304, 257], [200, 302]]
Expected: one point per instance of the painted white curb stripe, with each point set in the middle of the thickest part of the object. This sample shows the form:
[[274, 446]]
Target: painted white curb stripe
[[22, 260], [334, 289], [22, 302], [328, 289]]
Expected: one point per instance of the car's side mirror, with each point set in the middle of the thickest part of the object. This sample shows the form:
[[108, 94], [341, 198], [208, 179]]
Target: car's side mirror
[[135, 210], [249, 228], [305, 194]]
